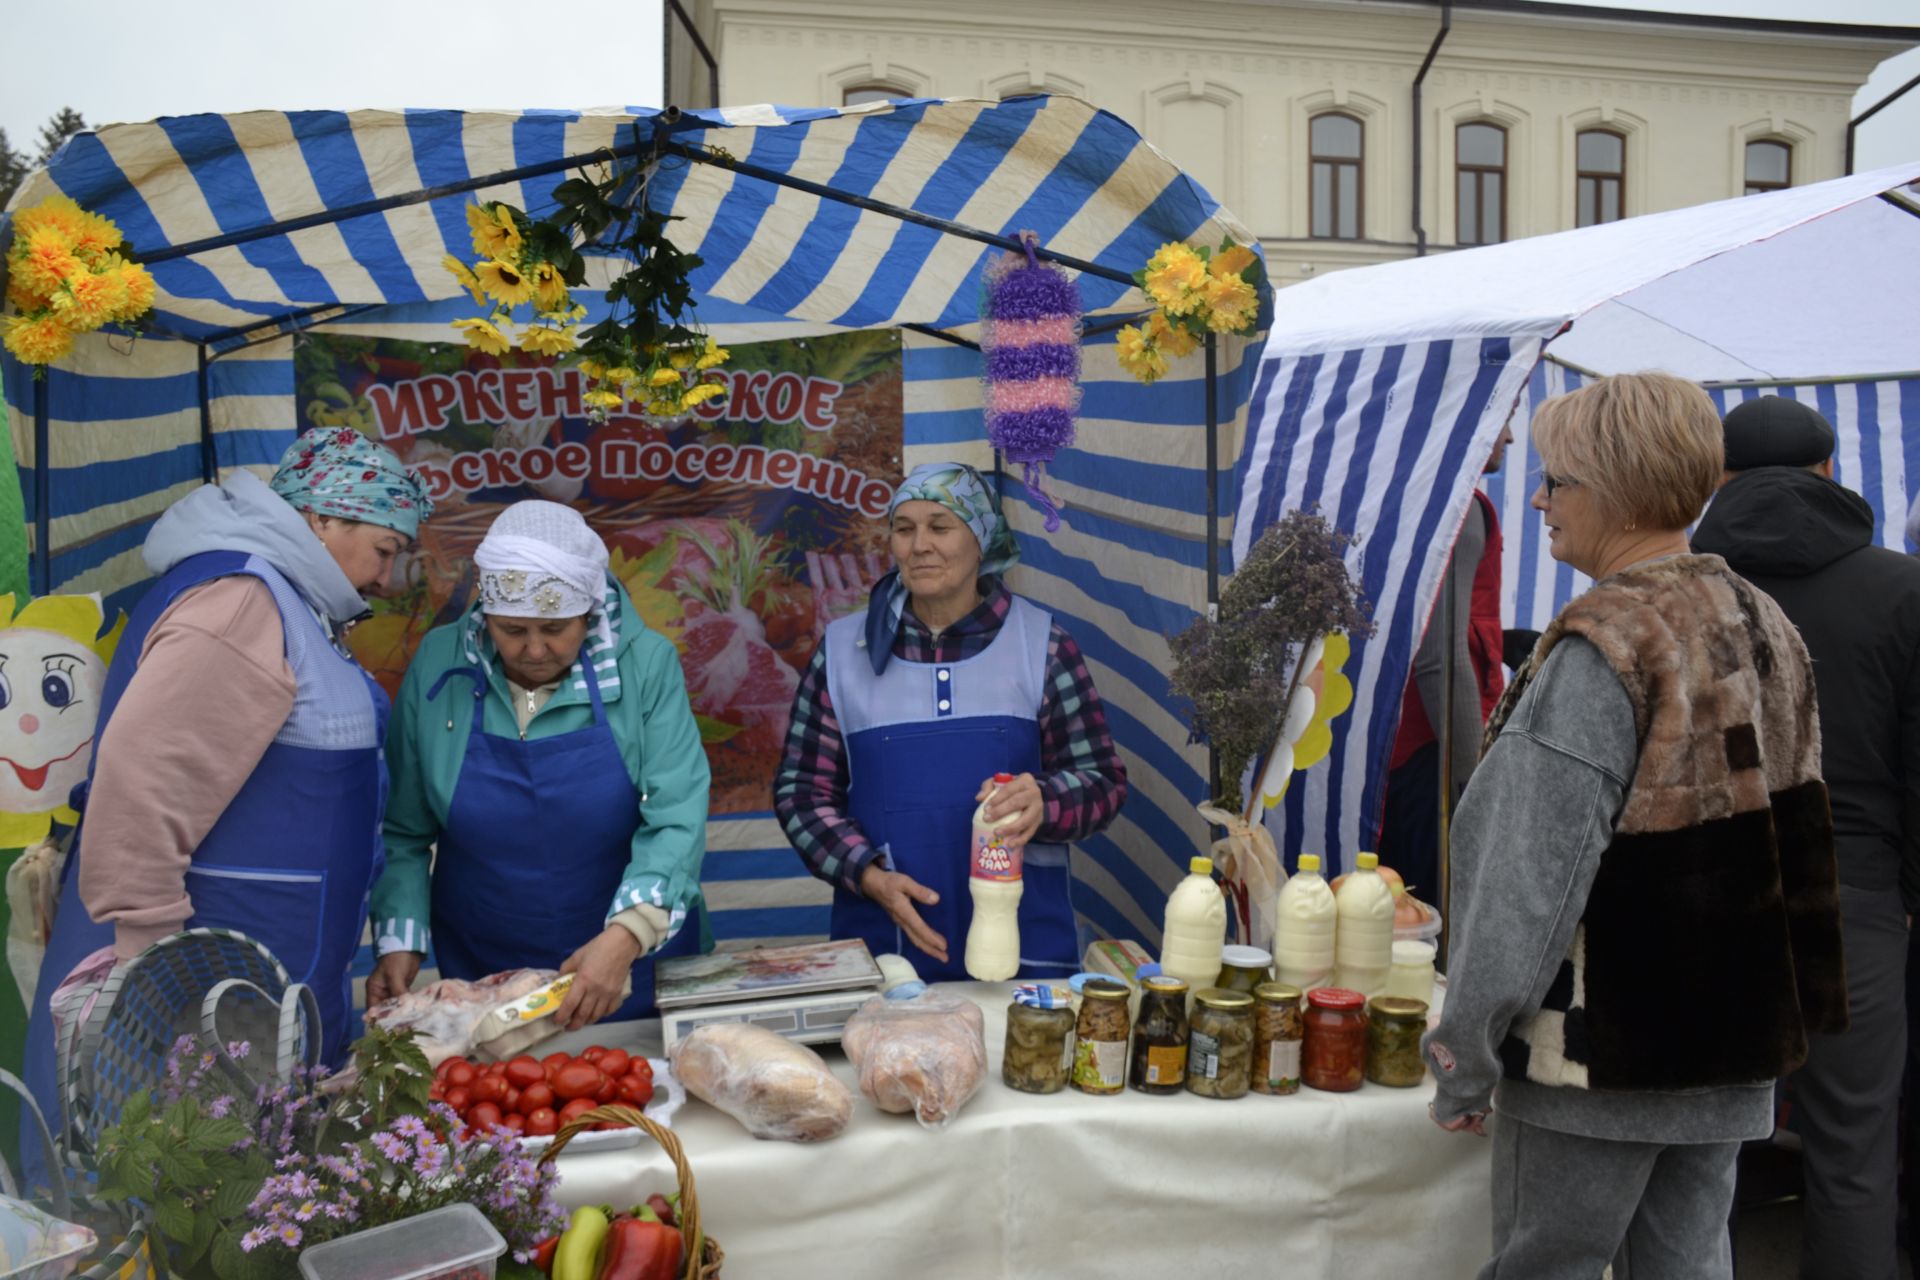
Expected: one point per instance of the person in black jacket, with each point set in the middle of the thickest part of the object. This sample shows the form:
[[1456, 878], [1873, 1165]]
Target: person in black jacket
[[1783, 524]]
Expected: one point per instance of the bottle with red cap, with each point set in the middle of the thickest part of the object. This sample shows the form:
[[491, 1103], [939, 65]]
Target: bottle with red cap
[[993, 939]]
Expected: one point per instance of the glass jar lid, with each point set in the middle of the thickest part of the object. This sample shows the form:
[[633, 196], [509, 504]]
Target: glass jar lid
[[1277, 993], [1399, 1008], [1335, 998], [1166, 986], [1104, 989], [1215, 998]]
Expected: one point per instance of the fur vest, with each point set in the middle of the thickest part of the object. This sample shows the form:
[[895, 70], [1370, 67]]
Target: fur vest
[[1709, 947]]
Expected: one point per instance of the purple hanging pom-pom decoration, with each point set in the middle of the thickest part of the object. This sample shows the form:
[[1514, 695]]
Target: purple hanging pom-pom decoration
[[1030, 341]]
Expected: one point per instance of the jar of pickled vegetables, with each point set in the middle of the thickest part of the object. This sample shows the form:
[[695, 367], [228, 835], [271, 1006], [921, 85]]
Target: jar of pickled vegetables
[[1100, 1039], [1394, 1027], [1277, 1029], [1038, 1052], [1333, 1054], [1220, 1052], [1158, 1063], [1243, 968]]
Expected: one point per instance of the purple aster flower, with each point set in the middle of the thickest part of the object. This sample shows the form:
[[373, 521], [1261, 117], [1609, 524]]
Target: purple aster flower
[[410, 1127], [238, 1049], [220, 1106], [253, 1239], [394, 1149], [289, 1234]]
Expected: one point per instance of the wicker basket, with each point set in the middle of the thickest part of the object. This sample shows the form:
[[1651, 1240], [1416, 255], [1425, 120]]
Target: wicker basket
[[707, 1265]]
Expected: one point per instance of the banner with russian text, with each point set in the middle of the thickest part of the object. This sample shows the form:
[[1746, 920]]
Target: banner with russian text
[[740, 530]]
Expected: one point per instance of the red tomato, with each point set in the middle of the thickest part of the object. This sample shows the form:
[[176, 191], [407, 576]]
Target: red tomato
[[494, 1069], [535, 1096], [511, 1102], [541, 1121], [593, 1054], [446, 1065], [614, 1062], [606, 1089], [576, 1080], [515, 1121], [525, 1070], [461, 1073], [488, 1089], [484, 1116], [556, 1060], [459, 1099], [636, 1089], [640, 1067], [575, 1109], [436, 1092]]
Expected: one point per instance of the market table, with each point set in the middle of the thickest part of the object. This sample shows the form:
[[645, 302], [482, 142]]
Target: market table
[[1357, 1186]]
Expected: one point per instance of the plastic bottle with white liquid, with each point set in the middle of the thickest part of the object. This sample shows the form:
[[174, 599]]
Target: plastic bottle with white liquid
[[993, 939], [1303, 928], [1363, 942], [1196, 928]]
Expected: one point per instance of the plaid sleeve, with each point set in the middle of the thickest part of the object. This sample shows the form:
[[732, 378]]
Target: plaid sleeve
[[810, 790], [1084, 779]]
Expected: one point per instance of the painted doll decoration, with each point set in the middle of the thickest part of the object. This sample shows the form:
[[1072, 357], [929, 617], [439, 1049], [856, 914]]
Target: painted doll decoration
[[53, 666]]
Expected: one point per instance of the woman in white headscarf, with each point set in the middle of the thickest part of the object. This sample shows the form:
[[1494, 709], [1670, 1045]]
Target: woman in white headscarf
[[547, 764]]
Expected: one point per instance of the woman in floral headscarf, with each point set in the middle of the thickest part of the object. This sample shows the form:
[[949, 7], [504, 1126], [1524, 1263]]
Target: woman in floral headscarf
[[237, 779], [908, 711]]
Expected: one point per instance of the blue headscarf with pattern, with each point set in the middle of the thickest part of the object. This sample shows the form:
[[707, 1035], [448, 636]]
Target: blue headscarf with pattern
[[336, 471], [965, 492]]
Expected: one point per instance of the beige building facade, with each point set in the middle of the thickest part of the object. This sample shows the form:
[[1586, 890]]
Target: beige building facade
[[1300, 115]]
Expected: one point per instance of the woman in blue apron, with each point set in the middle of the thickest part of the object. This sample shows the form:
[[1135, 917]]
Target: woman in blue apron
[[905, 715], [237, 779], [549, 787]]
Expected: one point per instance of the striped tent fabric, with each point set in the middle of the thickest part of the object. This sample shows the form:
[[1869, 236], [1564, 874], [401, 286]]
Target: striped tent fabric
[[1877, 425], [1127, 570]]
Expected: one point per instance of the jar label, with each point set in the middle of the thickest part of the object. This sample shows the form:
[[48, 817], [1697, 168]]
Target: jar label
[[1100, 1064], [1283, 1064], [1204, 1060], [1166, 1064]]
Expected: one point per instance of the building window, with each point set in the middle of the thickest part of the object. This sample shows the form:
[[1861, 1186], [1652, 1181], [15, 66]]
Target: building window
[[1337, 144], [1480, 155], [1769, 166], [1600, 159], [860, 94]]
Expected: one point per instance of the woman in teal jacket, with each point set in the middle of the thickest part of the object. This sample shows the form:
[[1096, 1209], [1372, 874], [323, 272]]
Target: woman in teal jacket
[[548, 768]]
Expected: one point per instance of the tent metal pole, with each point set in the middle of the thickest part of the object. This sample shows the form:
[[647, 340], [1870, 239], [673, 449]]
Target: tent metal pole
[[1449, 627], [700, 47], [1213, 523], [1871, 112], [934, 331], [42, 488], [1844, 380], [946, 225], [287, 327], [209, 462]]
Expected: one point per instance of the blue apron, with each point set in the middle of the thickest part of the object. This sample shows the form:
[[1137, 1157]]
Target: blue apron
[[292, 859], [537, 839], [920, 738]]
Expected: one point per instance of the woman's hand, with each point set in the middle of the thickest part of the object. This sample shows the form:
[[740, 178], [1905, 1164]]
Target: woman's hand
[[896, 894], [1022, 796], [1474, 1122], [392, 976], [600, 972]]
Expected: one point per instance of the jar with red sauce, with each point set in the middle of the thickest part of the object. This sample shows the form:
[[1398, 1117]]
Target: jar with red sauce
[[1333, 1056]]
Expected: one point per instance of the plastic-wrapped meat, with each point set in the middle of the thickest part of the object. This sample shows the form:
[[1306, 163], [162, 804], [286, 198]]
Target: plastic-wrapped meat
[[446, 1013], [926, 1054]]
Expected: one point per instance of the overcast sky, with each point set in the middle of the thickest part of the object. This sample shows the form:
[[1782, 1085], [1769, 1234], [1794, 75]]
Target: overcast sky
[[135, 61]]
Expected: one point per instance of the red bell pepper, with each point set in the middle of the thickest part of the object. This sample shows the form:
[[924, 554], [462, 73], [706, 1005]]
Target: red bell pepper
[[641, 1250], [543, 1255]]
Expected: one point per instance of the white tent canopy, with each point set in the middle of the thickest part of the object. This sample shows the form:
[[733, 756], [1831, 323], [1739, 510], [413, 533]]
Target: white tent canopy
[[1382, 390], [1808, 282]]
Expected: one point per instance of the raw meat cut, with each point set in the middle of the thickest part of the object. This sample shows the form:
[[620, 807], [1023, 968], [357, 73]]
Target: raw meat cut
[[734, 675], [445, 1013]]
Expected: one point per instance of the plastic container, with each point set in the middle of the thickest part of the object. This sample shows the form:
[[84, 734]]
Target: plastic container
[[1411, 977], [993, 939], [1303, 927], [454, 1243], [1196, 928], [1363, 941]]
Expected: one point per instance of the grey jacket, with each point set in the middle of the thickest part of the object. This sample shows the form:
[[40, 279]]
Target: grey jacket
[[1526, 846]]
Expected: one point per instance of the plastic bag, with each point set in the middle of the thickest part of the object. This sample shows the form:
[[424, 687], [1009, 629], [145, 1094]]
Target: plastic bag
[[488, 1017], [33, 891], [926, 1054], [774, 1087], [35, 1245]]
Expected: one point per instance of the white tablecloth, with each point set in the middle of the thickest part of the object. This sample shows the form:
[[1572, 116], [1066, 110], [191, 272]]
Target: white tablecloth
[[1356, 1186]]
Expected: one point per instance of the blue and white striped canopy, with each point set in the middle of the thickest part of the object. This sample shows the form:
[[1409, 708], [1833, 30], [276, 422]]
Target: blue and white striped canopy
[[1083, 180], [1382, 390]]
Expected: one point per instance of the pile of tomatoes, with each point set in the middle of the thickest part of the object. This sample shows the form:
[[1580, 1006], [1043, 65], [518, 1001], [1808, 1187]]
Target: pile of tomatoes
[[537, 1096]]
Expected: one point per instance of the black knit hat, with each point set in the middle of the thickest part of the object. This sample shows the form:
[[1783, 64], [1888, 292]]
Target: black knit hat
[[1774, 431]]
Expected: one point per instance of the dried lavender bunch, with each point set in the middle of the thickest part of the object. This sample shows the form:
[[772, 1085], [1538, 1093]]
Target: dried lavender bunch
[[1292, 587]]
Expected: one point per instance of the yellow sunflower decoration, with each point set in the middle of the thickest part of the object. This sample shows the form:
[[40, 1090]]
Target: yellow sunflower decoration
[[1320, 692]]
